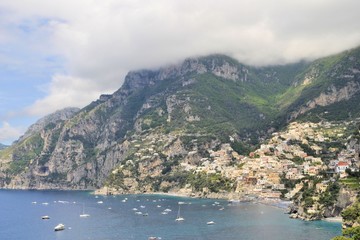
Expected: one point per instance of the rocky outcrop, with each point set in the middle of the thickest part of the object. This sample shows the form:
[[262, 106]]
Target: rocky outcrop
[[346, 198], [60, 115], [333, 95]]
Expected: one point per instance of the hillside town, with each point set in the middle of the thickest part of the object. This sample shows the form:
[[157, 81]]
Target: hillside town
[[261, 174]]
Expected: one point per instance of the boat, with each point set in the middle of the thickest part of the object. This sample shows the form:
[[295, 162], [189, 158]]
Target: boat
[[179, 218], [210, 223], [100, 202], [84, 215], [45, 217], [59, 227]]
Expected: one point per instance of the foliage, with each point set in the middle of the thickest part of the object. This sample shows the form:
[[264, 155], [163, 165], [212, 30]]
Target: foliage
[[241, 148], [214, 182], [329, 197], [116, 180], [56, 177], [25, 152], [352, 182], [352, 233], [352, 213]]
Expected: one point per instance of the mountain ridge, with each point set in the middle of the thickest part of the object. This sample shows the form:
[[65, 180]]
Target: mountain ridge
[[195, 106]]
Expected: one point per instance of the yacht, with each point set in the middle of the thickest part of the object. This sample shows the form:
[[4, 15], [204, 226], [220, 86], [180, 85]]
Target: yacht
[[59, 227], [179, 218], [84, 215]]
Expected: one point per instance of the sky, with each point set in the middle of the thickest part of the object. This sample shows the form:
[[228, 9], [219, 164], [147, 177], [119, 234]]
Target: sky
[[56, 54]]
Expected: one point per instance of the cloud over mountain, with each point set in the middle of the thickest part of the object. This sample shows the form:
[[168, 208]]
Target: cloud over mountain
[[95, 43]]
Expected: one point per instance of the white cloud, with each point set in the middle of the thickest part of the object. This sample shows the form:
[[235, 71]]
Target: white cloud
[[8, 133], [101, 40], [66, 91]]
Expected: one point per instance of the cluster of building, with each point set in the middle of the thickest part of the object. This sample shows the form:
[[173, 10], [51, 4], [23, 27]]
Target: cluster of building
[[260, 174]]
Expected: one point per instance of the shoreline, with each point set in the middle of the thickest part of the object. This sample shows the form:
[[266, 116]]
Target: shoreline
[[333, 219], [277, 203]]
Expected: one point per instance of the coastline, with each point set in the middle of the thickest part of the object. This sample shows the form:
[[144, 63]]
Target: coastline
[[333, 219], [231, 197]]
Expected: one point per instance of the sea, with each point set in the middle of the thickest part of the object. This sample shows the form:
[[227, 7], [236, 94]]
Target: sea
[[145, 216]]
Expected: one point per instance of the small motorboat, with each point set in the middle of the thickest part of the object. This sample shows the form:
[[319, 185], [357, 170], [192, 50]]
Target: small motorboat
[[45, 217], [210, 223], [59, 227]]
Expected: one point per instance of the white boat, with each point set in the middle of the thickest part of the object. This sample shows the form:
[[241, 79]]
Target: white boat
[[59, 227], [179, 218], [45, 217], [210, 223], [100, 202], [84, 215]]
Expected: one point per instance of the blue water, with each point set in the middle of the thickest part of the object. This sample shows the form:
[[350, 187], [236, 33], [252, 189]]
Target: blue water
[[21, 219]]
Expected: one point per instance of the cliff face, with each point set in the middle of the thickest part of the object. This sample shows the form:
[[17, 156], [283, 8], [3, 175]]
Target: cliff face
[[161, 125], [331, 96]]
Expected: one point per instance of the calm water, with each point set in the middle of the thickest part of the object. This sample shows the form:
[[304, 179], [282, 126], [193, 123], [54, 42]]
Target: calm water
[[20, 218]]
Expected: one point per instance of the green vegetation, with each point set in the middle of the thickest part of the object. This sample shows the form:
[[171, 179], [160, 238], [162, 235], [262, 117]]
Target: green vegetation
[[329, 197], [351, 182], [25, 152], [241, 148], [56, 177], [116, 180], [214, 182], [351, 214]]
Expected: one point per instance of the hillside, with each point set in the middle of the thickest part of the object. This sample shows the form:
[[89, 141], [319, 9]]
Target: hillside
[[153, 133], [3, 146]]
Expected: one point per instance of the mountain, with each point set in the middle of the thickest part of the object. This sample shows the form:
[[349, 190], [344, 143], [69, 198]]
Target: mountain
[[3, 146], [48, 121], [161, 124]]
